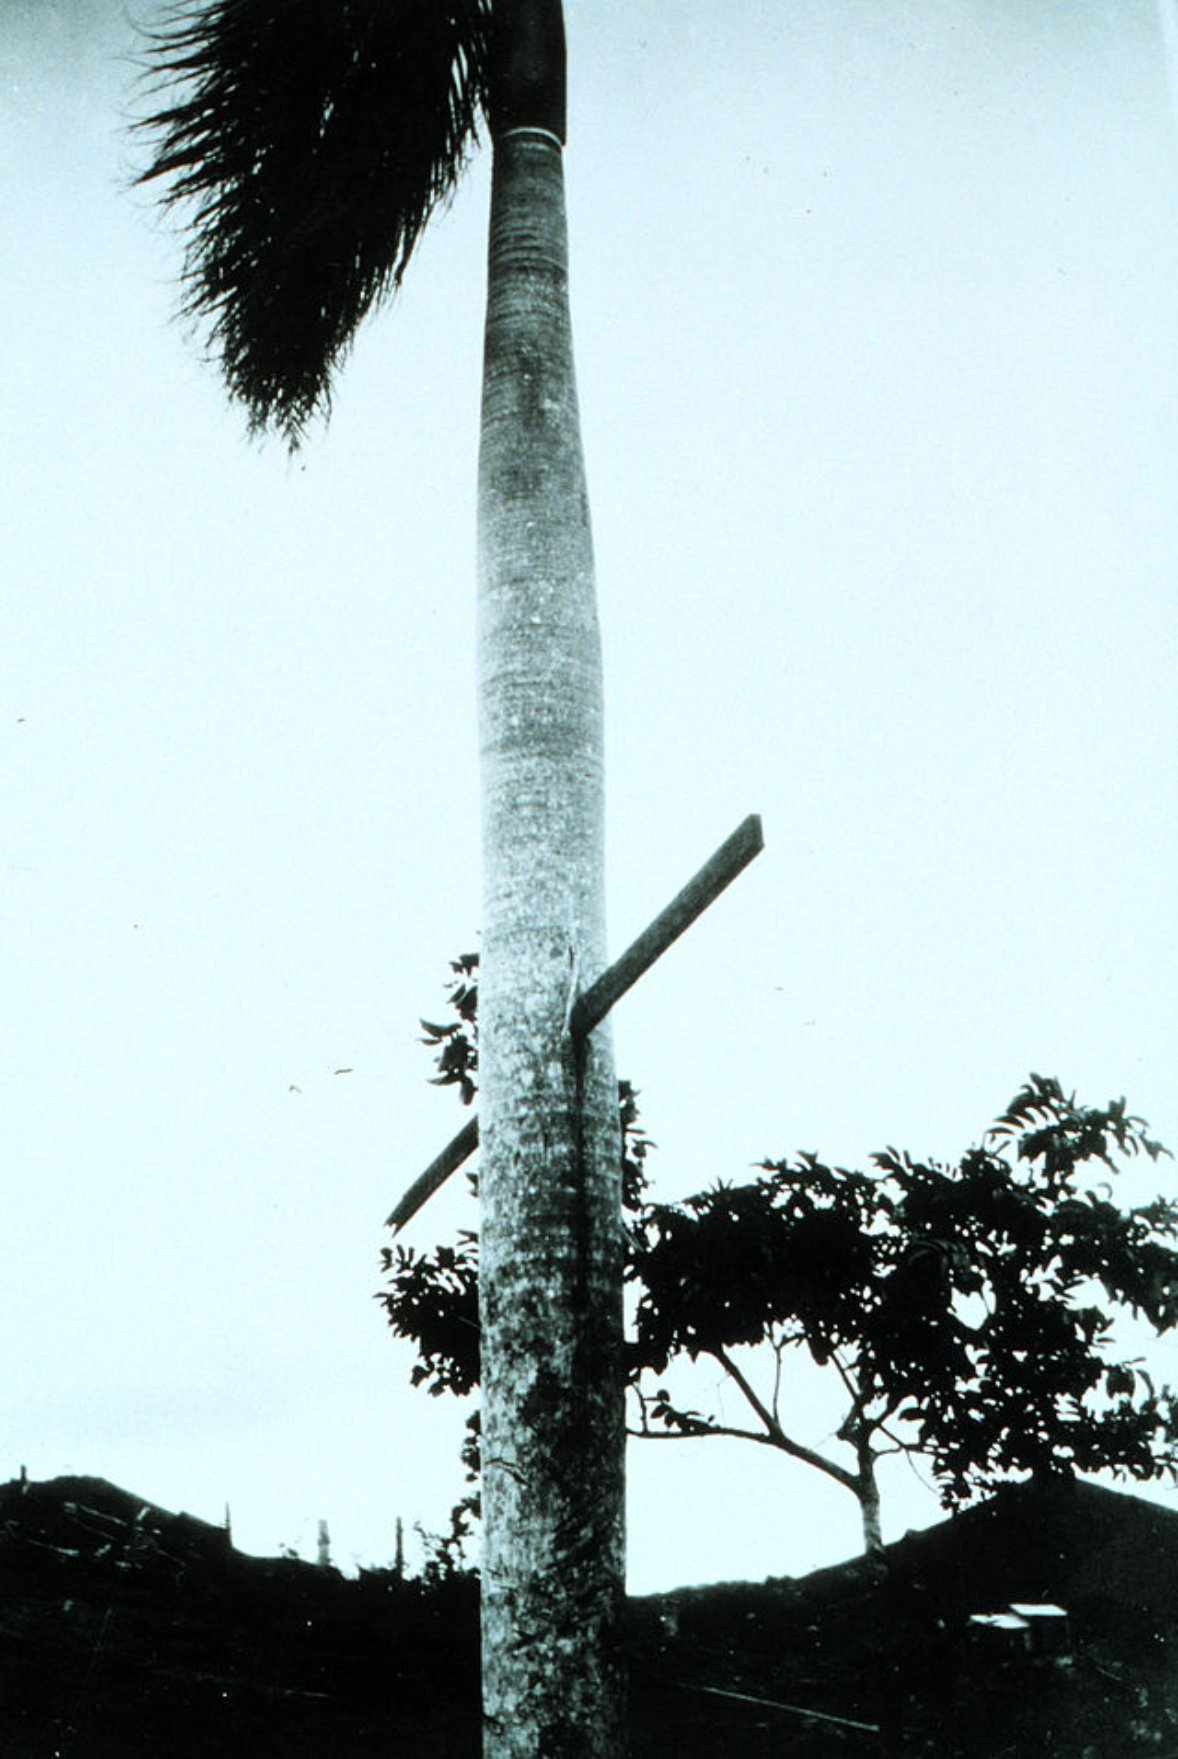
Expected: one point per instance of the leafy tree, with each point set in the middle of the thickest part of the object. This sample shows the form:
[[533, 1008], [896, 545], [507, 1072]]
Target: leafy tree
[[309, 143], [966, 1310]]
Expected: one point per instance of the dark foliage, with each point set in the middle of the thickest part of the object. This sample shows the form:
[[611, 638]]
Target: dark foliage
[[433, 1298], [458, 1057], [131, 1631], [308, 143], [966, 1309]]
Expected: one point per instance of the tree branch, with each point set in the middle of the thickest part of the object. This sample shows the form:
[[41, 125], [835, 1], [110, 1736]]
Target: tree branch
[[705, 1429], [851, 1429], [779, 1354], [775, 1435], [734, 1373]]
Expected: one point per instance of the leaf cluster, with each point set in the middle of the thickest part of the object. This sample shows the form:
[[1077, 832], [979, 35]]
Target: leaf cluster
[[433, 1300], [968, 1307], [456, 1041], [308, 142], [725, 1267]]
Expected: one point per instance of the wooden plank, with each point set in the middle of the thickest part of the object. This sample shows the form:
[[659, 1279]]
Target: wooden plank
[[731, 858], [460, 1148]]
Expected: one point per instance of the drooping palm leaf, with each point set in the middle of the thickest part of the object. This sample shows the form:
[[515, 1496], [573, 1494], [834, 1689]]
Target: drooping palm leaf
[[308, 142]]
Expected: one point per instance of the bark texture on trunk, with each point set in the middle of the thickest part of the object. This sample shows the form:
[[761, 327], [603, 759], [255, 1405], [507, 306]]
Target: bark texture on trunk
[[550, 1230]]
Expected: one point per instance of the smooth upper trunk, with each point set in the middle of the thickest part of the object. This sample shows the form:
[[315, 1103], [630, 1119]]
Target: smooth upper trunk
[[550, 1245]]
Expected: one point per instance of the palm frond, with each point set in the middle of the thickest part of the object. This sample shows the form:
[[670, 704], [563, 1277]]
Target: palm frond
[[307, 143]]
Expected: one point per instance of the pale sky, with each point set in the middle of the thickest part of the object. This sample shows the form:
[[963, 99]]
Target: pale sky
[[876, 309]]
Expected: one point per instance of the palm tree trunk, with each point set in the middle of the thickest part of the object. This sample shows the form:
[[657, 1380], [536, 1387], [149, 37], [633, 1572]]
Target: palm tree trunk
[[550, 1230]]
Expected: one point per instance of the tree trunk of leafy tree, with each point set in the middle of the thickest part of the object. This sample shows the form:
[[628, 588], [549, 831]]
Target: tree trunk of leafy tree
[[867, 1491], [551, 1243]]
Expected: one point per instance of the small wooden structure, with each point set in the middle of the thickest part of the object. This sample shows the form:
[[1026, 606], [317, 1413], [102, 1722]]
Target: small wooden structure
[[1047, 1627], [1030, 1629], [1004, 1636]]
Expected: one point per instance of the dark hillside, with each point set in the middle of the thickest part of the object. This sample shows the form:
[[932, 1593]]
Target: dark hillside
[[1077, 1543], [125, 1630], [832, 1641]]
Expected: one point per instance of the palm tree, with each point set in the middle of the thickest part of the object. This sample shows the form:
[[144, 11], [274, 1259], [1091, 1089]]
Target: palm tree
[[310, 140]]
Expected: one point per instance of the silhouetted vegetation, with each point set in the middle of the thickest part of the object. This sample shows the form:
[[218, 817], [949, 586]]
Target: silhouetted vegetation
[[128, 1631], [966, 1309]]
